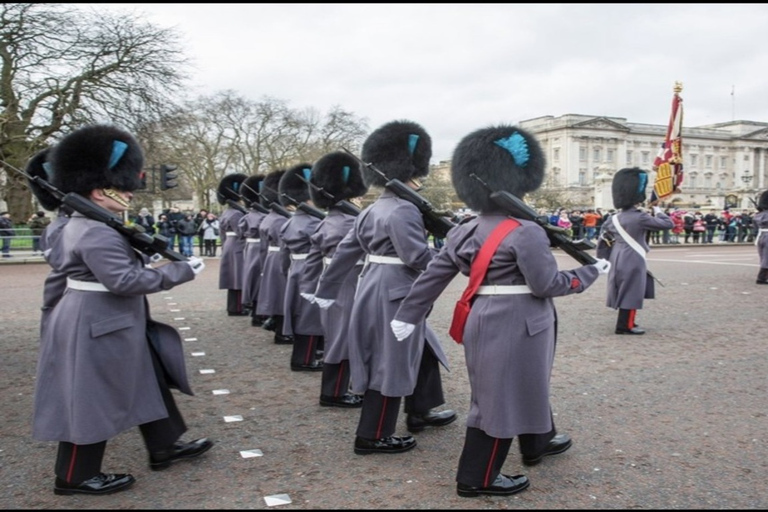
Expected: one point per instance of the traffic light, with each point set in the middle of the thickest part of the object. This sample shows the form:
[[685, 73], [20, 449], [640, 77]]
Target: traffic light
[[167, 177], [142, 180]]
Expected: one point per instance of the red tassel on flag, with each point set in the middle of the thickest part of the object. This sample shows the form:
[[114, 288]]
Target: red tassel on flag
[[668, 164]]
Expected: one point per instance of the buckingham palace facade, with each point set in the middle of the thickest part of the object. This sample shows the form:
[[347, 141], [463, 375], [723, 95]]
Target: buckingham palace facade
[[724, 164]]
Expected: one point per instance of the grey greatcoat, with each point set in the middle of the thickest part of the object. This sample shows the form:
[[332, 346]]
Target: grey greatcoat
[[95, 376], [232, 247], [249, 228], [335, 319], [273, 263], [390, 227], [628, 280], [509, 340], [301, 316], [761, 222]]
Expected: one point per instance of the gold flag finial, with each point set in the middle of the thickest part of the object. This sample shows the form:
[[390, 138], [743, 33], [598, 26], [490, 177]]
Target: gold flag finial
[[678, 86]]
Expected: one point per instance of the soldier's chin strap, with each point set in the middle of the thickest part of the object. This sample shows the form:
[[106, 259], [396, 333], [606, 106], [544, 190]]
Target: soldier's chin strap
[[115, 196]]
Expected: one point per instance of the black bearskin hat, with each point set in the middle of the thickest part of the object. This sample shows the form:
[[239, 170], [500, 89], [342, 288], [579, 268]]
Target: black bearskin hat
[[762, 203], [291, 185], [505, 157], [229, 187], [97, 156], [399, 149], [38, 167], [269, 188], [250, 190], [339, 175], [628, 187]]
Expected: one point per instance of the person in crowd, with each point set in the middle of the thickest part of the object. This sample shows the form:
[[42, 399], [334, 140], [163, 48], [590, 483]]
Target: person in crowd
[[186, 231], [37, 224], [146, 221], [711, 223], [175, 216], [577, 224], [510, 333], [271, 300], [301, 319], [200, 216], [165, 228], [100, 336], [699, 228], [232, 243], [590, 224], [6, 232], [249, 227], [745, 227], [390, 235], [761, 241], [629, 282], [209, 229], [564, 223], [335, 177]]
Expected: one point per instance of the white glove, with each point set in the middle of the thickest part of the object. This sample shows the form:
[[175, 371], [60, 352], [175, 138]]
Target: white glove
[[657, 210], [602, 266], [196, 264], [324, 303], [155, 257], [401, 329], [310, 297]]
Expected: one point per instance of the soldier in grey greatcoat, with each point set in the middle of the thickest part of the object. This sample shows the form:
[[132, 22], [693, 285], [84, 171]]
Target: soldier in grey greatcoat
[[335, 177], [510, 335], [761, 240], [301, 319], [628, 281], [271, 299], [249, 227], [55, 282], [390, 236], [104, 365], [232, 243]]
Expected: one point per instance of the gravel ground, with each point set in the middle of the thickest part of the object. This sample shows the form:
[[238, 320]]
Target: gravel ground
[[670, 420]]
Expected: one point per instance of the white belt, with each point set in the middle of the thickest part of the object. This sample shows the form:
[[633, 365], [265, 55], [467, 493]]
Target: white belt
[[231, 233], [385, 260], [86, 286], [299, 256], [274, 248], [503, 289], [252, 240], [327, 261]]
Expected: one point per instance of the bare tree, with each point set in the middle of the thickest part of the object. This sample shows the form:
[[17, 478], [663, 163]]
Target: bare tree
[[62, 66], [224, 133]]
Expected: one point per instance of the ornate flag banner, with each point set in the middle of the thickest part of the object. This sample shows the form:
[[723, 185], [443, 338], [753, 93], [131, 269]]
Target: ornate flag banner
[[668, 164]]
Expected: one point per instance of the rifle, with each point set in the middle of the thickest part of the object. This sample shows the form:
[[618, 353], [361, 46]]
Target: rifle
[[255, 204], [237, 206], [306, 208], [343, 205], [558, 237], [275, 206], [139, 239], [436, 224]]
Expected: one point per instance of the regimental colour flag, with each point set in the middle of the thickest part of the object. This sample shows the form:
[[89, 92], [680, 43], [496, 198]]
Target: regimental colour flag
[[668, 164]]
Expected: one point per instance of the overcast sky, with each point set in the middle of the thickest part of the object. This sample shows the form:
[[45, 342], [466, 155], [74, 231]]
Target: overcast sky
[[455, 68]]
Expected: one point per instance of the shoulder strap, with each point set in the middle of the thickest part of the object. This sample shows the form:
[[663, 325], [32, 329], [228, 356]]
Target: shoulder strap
[[483, 258], [631, 241]]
